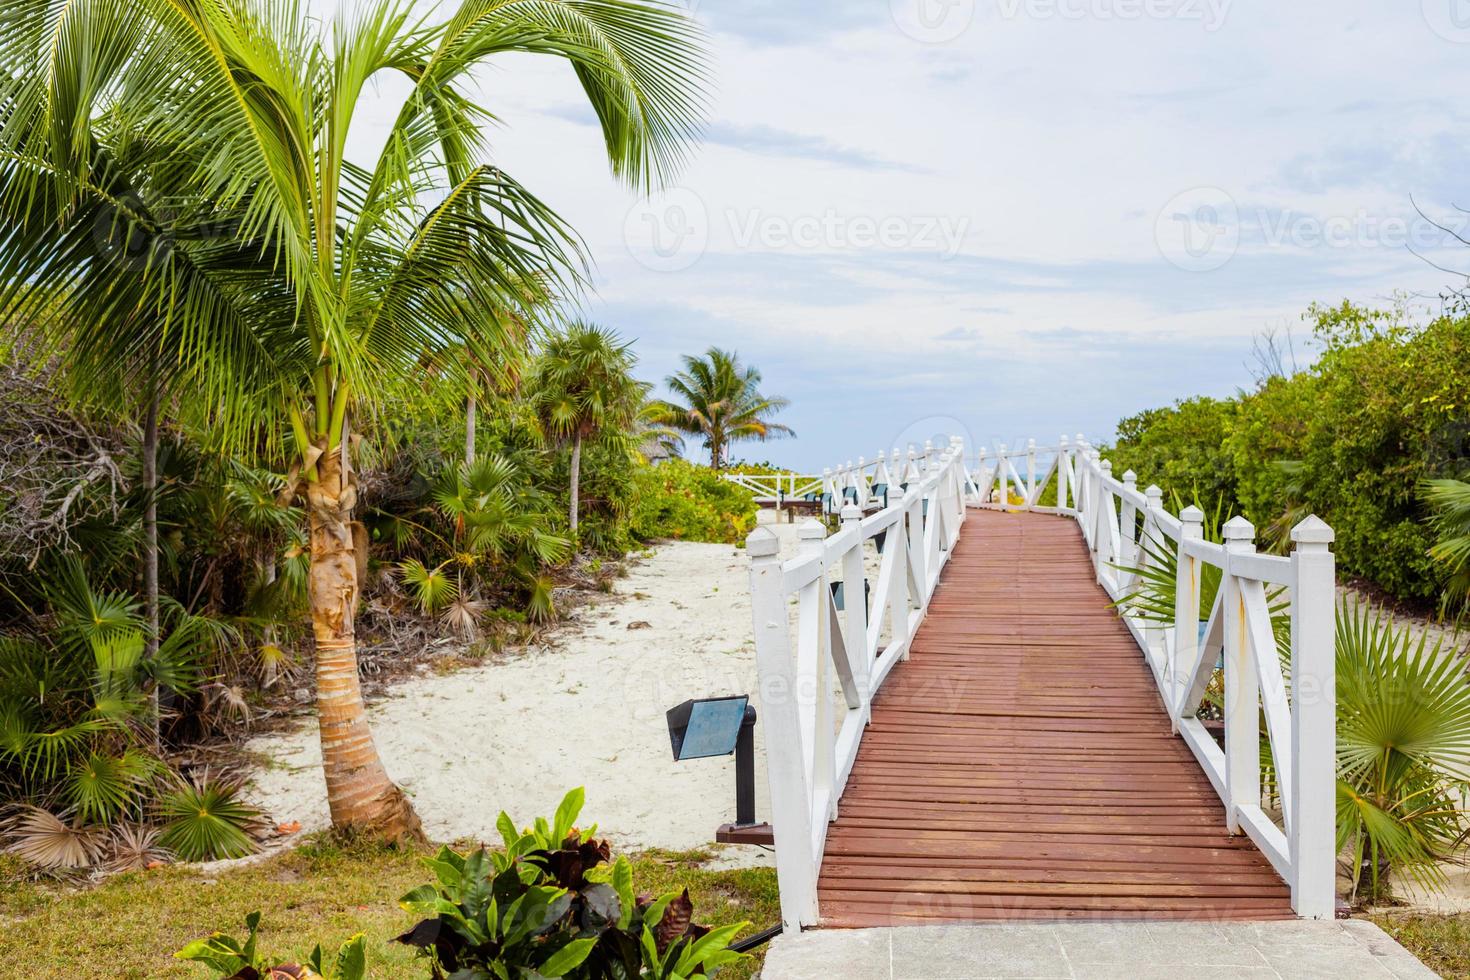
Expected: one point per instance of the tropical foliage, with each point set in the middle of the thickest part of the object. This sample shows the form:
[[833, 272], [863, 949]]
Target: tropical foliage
[[582, 385], [683, 501], [180, 208], [230, 958], [550, 903], [1385, 407], [718, 400], [1403, 735], [1403, 728]]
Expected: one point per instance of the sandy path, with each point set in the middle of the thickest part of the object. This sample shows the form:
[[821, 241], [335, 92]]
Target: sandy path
[[588, 710]]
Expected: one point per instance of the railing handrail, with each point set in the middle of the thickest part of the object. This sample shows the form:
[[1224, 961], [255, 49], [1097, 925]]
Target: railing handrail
[[809, 757], [1124, 527]]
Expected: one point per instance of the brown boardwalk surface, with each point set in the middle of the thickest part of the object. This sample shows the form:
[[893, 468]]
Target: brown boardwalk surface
[[1020, 765]]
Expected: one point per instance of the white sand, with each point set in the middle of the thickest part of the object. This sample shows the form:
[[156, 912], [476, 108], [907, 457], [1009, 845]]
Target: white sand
[[588, 710]]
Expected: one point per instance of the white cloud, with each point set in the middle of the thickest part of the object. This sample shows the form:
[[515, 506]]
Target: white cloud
[[1055, 141]]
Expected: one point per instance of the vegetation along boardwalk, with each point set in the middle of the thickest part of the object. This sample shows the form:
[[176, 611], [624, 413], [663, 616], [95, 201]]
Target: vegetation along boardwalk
[[1021, 764]]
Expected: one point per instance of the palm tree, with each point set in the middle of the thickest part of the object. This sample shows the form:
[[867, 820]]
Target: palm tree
[[580, 386], [1450, 502], [320, 279], [721, 402]]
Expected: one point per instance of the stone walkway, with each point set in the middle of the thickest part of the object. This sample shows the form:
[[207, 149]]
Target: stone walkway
[[1291, 950]]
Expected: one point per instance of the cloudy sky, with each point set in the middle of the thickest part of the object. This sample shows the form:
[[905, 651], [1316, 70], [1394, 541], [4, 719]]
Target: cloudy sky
[[1012, 218]]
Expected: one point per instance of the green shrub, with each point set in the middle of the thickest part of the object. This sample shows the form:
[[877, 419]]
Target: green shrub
[[689, 502], [1386, 407], [550, 904], [236, 960]]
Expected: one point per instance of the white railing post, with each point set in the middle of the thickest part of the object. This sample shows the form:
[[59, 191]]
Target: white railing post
[[1030, 472], [1087, 498], [1152, 508], [898, 599], [1313, 721], [913, 505], [812, 535], [1242, 688], [1102, 541], [1128, 526], [1062, 473], [961, 480], [855, 608], [1186, 613], [785, 769]]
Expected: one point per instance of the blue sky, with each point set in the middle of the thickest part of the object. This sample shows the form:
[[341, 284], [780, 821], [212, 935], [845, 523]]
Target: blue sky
[[1013, 218]]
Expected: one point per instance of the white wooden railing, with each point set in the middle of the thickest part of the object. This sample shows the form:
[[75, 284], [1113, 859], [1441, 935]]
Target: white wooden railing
[[1126, 528], [820, 667], [868, 484], [776, 488]]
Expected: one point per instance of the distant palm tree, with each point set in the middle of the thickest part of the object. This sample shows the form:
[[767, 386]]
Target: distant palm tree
[[580, 386], [652, 434], [323, 279], [718, 399]]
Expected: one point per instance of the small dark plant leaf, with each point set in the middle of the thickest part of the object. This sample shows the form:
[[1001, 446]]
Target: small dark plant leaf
[[675, 922]]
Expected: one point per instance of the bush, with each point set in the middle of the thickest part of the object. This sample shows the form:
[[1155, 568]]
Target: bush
[[551, 903], [688, 502], [1386, 406]]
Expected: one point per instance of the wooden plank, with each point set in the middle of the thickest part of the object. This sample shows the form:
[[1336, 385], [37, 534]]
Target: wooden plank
[[1020, 764]]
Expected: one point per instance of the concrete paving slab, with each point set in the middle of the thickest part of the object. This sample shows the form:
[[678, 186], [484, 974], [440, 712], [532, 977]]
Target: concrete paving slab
[[1097, 951]]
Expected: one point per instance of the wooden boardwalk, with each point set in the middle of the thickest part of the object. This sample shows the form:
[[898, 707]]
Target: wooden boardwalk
[[1020, 765]]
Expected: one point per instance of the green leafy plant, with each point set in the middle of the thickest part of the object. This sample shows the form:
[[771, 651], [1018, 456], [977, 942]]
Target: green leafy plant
[[553, 904], [1403, 734], [236, 960], [1449, 501], [682, 500], [432, 588], [582, 386], [205, 820]]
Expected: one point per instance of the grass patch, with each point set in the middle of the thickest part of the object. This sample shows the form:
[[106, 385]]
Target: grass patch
[[128, 927], [1441, 941]]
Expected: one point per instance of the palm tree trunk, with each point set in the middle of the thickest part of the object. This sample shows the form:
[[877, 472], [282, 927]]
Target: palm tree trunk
[[359, 792], [576, 481], [469, 425], [150, 539]]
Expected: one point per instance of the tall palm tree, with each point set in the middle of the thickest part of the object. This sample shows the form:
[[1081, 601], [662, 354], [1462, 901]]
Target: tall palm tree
[[581, 385], [719, 400], [319, 279]]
